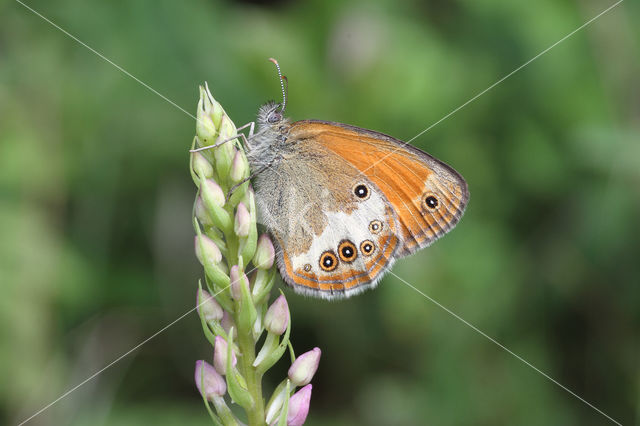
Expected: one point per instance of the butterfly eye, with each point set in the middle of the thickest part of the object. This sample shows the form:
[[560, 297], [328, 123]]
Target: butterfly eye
[[431, 202], [274, 117], [328, 261], [375, 226], [361, 191], [347, 251], [367, 247]]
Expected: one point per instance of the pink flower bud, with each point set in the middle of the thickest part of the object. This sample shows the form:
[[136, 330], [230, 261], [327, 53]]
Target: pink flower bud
[[227, 322], [304, 367], [277, 317], [208, 381], [238, 167], [299, 407], [265, 253], [206, 250], [211, 191], [220, 355], [208, 306], [237, 281], [243, 221]]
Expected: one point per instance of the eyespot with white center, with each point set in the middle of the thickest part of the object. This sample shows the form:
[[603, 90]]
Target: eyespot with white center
[[347, 251], [375, 226], [328, 261], [361, 191], [431, 202], [367, 247]]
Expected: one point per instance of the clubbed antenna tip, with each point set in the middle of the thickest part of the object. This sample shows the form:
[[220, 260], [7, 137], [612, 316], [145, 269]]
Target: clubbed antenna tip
[[282, 79]]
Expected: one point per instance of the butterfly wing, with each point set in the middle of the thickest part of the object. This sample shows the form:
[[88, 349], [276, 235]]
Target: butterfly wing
[[428, 196], [344, 203]]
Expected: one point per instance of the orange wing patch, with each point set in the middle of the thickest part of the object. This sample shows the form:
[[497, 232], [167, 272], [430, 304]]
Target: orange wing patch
[[427, 196]]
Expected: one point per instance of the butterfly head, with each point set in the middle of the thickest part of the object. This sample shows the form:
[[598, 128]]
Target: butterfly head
[[270, 115]]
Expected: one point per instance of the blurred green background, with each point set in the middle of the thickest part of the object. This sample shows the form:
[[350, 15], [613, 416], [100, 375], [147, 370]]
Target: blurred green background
[[95, 204]]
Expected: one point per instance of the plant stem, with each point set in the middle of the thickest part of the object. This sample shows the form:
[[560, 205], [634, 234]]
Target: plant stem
[[246, 345]]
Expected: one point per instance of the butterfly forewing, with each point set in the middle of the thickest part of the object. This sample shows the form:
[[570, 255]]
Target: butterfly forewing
[[428, 196]]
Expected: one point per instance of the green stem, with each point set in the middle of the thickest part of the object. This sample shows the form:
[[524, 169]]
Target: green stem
[[246, 345]]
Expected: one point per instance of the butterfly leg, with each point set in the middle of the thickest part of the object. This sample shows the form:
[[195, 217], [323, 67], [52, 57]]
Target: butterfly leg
[[250, 125]]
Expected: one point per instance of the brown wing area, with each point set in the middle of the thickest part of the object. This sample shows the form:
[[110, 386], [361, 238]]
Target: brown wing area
[[428, 196]]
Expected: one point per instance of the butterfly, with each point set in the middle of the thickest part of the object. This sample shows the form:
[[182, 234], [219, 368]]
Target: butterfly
[[343, 203]]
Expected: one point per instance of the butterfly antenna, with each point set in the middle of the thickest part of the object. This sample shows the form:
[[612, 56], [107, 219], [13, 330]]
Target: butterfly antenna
[[282, 80]]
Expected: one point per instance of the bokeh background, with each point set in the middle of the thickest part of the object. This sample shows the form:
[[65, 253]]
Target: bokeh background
[[95, 204]]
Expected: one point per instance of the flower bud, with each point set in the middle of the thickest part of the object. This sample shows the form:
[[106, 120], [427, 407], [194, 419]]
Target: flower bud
[[202, 166], [242, 224], [227, 322], [208, 307], [220, 355], [208, 381], [205, 127], [239, 167], [263, 259], [224, 153], [304, 367], [237, 281], [276, 319], [202, 214], [299, 407], [206, 250], [213, 108], [210, 190]]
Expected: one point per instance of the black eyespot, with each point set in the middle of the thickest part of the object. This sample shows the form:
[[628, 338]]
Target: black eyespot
[[361, 191], [347, 251], [274, 117], [328, 261], [367, 247], [307, 267], [431, 202], [375, 226]]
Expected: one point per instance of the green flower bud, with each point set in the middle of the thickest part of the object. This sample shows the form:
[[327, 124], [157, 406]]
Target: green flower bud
[[205, 128], [207, 251], [202, 166], [224, 153], [213, 200], [202, 214], [215, 110], [209, 256], [212, 192]]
